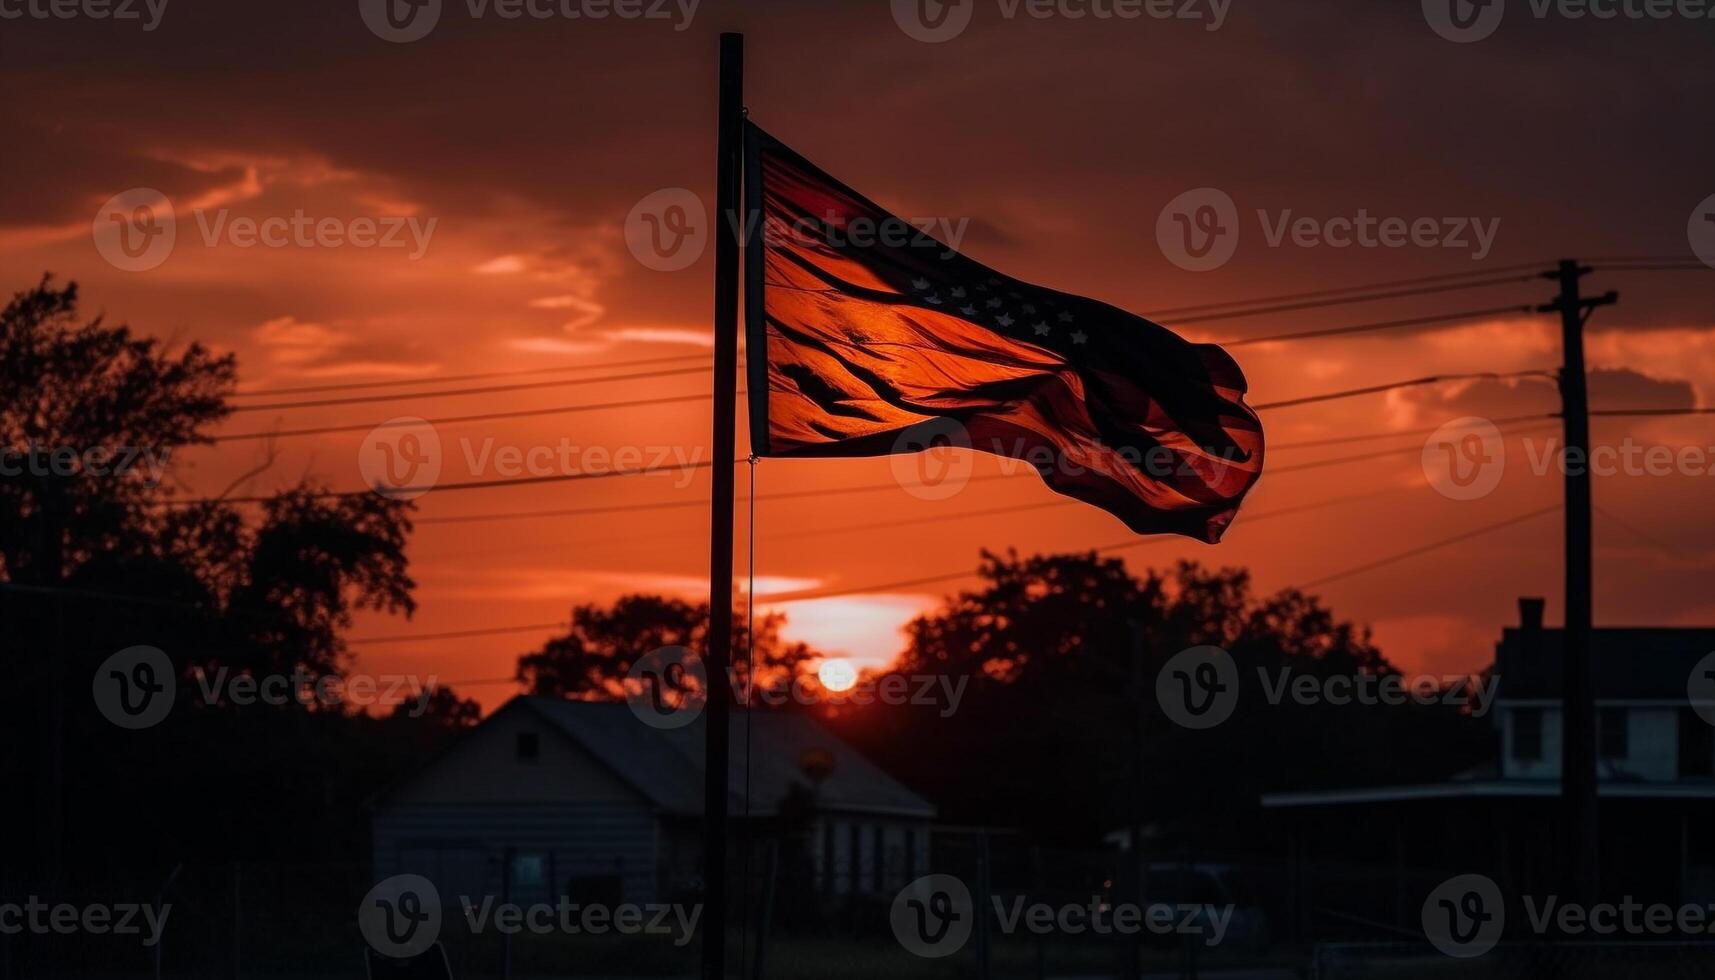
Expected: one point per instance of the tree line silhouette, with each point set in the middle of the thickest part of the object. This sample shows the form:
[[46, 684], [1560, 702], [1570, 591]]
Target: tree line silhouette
[[1050, 738]]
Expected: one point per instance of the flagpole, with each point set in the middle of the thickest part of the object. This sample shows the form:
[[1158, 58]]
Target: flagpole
[[715, 744]]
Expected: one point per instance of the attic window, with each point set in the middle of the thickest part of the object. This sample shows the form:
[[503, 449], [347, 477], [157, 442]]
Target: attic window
[[529, 747]]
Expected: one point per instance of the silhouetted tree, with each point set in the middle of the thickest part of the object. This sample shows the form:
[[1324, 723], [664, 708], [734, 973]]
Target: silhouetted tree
[[1046, 734], [98, 552], [592, 658]]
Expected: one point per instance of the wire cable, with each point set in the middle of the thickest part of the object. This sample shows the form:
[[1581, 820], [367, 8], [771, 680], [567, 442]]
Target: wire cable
[[1348, 300], [460, 419], [457, 392], [519, 481], [445, 378], [1412, 383], [1136, 542], [1385, 325], [1342, 290], [1426, 549]]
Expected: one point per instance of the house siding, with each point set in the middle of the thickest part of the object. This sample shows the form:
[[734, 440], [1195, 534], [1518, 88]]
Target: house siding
[[460, 847]]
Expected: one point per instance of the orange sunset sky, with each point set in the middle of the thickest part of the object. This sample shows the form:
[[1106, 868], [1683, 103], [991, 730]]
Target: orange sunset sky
[[528, 142]]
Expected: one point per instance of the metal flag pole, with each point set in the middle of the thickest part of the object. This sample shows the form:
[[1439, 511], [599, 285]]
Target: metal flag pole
[[715, 743]]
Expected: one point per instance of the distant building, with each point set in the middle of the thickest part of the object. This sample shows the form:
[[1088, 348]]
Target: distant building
[[551, 797], [1657, 785]]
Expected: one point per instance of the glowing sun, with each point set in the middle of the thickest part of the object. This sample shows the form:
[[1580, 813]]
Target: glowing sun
[[837, 674]]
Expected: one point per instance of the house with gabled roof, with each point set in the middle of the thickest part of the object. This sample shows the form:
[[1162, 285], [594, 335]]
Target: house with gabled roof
[[1655, 705], [550, 797]]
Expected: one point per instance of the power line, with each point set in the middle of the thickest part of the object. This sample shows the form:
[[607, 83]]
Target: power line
[[674, 504], [453, 392], [1382, 454], [442, 487], [1342, 290], [1400, 433], [1412, 383], [1348, 300], [1658, 267], [455, 634], [1136, 542], [444, 378], [1385, 325], [883, 487], [459, 419], [573, 409], [1425, 549], [1637, 412]]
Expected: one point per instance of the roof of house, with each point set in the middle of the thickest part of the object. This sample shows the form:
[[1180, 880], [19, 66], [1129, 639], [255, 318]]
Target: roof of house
[[666, 765], [1651, 663]]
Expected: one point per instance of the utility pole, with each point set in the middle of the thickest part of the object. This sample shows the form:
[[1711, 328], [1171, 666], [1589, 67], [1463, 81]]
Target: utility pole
[[729, 139], [1578, 704]]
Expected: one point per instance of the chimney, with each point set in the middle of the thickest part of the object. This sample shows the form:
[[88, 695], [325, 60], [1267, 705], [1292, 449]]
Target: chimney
[[1530, 613]]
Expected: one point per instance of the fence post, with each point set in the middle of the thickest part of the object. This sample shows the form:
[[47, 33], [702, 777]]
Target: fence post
[[982, 905], [237, 920]]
